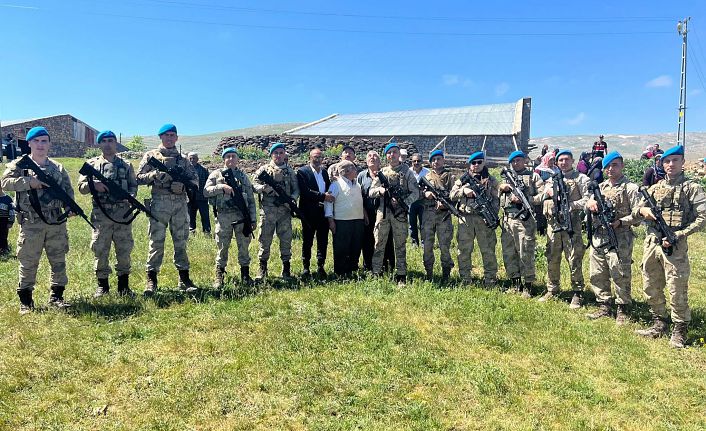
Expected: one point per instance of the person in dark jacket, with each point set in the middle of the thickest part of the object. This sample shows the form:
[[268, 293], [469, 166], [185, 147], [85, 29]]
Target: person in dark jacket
[[313, 185], [198, 202]]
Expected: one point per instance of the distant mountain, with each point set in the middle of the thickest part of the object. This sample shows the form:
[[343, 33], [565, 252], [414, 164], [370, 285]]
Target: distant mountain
[[630, 146]]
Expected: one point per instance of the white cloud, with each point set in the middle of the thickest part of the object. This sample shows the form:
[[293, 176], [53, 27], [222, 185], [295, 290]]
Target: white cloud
[[660, 81], [578, 119], [502, 88], [696, 92], [450, 80]]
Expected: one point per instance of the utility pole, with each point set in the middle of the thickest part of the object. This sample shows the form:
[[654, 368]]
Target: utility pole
[[681, 125]]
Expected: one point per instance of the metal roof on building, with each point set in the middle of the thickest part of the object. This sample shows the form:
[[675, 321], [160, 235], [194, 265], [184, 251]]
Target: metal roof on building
[[463, 121]]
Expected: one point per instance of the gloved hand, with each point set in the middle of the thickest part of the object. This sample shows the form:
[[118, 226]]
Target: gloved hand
[[177, 188], [163, 177]]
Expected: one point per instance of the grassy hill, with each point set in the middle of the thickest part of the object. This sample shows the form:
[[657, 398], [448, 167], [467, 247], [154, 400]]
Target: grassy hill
[[362, 354]]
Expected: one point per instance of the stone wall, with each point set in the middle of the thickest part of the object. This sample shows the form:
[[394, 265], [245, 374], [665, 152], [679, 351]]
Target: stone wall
[[61, 131]]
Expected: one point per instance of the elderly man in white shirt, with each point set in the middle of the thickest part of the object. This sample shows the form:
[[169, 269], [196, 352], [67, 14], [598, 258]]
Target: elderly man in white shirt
[[416, 210], [346, 219]]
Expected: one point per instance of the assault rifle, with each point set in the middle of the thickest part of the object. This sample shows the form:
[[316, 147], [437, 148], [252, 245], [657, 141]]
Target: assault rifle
[[662, 226], [54, 190], [441, 196], [482, 202], [238, 201], [562, 209], [518, 189], [282, 196], [177, 173], [116, 192], [397, 193], [605, 215]]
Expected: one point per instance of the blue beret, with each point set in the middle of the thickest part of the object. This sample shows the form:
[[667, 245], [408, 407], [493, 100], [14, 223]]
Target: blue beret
[[564, 153], [104, 134], [476, 155], [228, 151], [167, 128], [677, 150], [610, 157], [390, 146], [516, 154], [36, 132], [435, 153], [275, 146]]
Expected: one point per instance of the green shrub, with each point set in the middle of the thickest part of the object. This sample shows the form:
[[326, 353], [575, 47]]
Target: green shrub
[[91, 153], [250, 152], [334, 152], [635, 169], [137, 144]]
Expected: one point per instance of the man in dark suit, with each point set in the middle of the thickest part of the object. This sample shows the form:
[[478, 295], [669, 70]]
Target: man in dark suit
[[313, 185]]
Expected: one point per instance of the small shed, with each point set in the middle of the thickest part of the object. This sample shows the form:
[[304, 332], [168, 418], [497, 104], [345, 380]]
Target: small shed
[[70, 136]]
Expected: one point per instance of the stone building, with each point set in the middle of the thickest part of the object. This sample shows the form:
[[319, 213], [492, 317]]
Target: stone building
[[497, 129], [70, 136]]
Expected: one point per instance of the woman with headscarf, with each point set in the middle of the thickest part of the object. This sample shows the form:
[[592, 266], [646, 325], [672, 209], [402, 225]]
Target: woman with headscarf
[[584, 163], [654, 173], [547, 167]]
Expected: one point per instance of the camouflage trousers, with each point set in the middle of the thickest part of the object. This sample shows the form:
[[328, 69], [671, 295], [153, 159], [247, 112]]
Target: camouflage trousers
[[383, 228], [474, 229], [660, 271], [573, 249], [434, 223], [107, 232], [519, 242], [224, 234], [275, 219], [171, 211], [34, 238], [605, 267]]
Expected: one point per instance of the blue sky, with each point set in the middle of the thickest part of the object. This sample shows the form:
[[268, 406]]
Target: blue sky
[[212, 65]]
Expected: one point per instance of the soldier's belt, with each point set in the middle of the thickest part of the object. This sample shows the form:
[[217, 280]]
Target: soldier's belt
[[168, 197], [120, 205]]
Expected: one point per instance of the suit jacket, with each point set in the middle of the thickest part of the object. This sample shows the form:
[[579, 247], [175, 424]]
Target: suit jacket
[[310, 199]]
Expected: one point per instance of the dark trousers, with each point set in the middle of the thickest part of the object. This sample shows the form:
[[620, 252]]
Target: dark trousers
[[4, 230], [318, 225], [416, 210], [347, 244], [202, 208]]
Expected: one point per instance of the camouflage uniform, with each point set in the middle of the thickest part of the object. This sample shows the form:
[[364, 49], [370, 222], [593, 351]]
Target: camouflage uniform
[[606, 266], [385, 220], [519, 238], [558, 242], [274, 216], [438, 221], [168, 207], [474, 229], [683, 205], [108, 231], [228, 214], [36, 236]]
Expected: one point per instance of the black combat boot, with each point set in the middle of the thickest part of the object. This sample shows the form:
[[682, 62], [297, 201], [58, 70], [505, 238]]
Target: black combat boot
[[185, 283], [604, 310], [516, 285], [286, 270], [103, 288], [320, 271], [678, 340], [306, 273], [245, 275], [56, 298], [621, 315], [151, 287], [124, 286], [658, 329], [401, 280], [219, 281], [262, 271], [445, 274], [26, 302], [526, 290]]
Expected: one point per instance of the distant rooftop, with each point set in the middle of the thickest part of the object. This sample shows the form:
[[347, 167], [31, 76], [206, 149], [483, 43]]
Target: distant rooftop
[[4, 123], [488, 120]]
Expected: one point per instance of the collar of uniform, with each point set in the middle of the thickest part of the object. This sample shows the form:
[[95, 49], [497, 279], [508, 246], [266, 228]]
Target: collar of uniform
[[622, 180], [168, 152], [676, 180]]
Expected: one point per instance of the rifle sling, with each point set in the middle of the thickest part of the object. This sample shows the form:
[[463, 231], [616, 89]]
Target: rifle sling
[[94, 193], [37, 207]]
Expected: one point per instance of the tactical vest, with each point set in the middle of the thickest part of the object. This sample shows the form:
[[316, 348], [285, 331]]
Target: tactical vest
[[282, 176], [618, 196], [440, 181], [116, 171], [172, 159], [527, 178], [45, 199], [672, 201], [224, 202]]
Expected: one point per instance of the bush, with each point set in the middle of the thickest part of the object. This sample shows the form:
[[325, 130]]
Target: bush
[[91, 153], [249, 152], [334, 152], [137, 144], [635, 169]]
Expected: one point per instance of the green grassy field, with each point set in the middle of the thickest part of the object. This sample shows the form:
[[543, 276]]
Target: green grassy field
[[363, 354]]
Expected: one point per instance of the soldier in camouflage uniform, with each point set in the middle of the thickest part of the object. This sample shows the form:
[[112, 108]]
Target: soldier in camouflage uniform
[[519, 237], [390, 217], [559, 242], [108, 215], [683, 205], [437, 219], [274, 215], [39, 231], [220, 195], [606, 265], [474, 227], [169, 206]]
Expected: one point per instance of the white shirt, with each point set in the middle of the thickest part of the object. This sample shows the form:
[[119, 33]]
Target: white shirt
[[319, 180], [349, 200], [422, 173]]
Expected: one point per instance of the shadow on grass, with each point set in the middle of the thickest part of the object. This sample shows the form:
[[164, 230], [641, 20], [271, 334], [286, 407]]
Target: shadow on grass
[[108, 308]]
